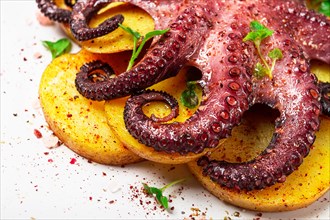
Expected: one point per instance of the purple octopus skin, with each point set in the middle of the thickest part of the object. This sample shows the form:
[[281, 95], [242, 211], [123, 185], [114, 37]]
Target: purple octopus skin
[[208, 35], [165, 59], [292, 90], [81, 14], [79, 18], [49, 9], [309, 29]]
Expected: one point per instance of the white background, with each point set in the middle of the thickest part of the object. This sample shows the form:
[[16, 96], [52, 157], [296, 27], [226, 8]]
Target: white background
[[40, 183]]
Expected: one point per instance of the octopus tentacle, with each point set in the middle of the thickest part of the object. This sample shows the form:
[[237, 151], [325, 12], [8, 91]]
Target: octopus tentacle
[[145, 97], [223, 103], [229, 88], [296, 96], [309, 28], [91, 71], [49, 9], [325, 97], [81, 14], [163, 60]]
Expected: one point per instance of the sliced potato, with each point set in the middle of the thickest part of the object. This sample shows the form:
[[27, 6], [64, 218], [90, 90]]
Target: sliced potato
[[301, 188], [321, 70], [115, 108], [81, 123]]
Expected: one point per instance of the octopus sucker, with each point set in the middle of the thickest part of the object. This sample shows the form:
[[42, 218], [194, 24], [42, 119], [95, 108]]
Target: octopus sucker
[[181, 41], [209, 36], [49, 9], [81, 14]]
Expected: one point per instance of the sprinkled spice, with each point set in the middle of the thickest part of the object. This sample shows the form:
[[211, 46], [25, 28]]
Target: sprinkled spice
[[37, 133], [73, 161]]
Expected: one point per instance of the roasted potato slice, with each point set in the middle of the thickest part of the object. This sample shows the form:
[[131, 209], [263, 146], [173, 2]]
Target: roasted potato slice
[[301, 188], [118, 40], [81, 123], [115, 108]]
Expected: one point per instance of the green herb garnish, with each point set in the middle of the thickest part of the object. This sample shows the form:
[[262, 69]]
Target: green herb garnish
[[257, 35], [136, 38], [322, 6], [59, 47], [275, 54], [189, 97], [159, 192]]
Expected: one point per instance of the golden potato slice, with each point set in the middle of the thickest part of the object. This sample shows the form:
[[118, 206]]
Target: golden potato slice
[[321, 70], [78, 122], [301, 188], [115, 108]]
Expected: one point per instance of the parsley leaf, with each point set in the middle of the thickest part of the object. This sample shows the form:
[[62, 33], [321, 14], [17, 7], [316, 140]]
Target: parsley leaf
[[260, 70], [159, 192], [257, 34], [136, 37], [59, 47], [189, 97], [322, 6], [325, 8], [275, 54]]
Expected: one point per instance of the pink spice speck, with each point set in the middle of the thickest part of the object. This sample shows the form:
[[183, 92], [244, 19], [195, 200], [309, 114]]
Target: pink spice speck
[[73, 161], [37, 133]]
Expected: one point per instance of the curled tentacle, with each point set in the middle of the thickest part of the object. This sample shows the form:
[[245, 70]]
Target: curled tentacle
[[150, 96], [296, 96], [325, 97], [163, 60], [82, 13], [203, 130], [90, 70], [49, 9], [223, 103]]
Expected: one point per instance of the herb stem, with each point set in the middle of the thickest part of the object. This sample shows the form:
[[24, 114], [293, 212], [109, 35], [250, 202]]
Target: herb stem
[[268, 69], [136, 37], [133, 57], [171, 184]]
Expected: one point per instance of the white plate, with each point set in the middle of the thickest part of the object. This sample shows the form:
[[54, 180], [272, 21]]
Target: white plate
[[42, 183]]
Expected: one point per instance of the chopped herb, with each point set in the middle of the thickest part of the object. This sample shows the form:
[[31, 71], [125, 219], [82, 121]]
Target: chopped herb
[[189, 97], [59, 47], [260, 70], [275, 54], [137, 37], [257, 35], [159, 192], [325, 8], [322, 6]]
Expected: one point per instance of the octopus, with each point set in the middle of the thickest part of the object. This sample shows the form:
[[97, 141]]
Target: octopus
[[208, 37]]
